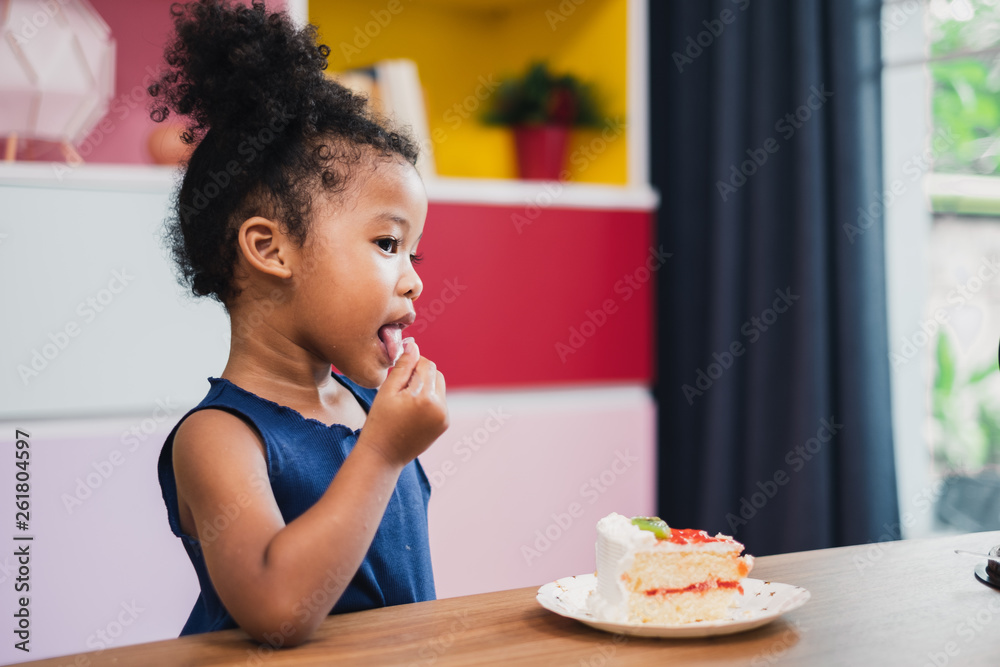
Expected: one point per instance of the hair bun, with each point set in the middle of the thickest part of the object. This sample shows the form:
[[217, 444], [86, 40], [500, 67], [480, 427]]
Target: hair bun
[[233, 68]]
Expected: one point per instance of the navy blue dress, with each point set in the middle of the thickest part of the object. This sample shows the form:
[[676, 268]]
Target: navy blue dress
[[303, 455]]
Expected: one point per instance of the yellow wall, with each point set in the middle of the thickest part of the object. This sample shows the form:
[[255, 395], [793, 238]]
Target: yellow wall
[[459, 44]]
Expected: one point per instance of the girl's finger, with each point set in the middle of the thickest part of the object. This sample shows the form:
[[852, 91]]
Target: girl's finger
[[400, 374], [427, 372], [439, 385]]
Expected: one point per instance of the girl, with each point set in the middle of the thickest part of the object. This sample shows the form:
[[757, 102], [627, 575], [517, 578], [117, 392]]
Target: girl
[[296, 490]]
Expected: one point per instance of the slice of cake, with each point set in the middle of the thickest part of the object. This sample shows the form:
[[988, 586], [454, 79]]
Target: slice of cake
[[650, 573]]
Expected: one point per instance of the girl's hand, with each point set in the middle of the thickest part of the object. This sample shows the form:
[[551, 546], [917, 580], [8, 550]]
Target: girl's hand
[[409, 412]]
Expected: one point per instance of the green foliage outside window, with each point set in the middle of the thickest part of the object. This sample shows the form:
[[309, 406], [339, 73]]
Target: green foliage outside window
[[966, 434], [966, 91]]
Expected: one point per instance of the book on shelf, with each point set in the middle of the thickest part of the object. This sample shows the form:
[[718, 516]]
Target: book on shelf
[[393, 89]]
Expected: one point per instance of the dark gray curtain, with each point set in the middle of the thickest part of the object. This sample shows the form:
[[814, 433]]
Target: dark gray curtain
[[773, 370]]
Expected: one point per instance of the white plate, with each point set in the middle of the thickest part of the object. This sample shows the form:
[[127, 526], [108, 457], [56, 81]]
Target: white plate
[[761, 603]]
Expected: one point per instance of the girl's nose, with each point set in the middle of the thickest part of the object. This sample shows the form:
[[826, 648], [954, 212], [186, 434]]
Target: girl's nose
[[412, 284]]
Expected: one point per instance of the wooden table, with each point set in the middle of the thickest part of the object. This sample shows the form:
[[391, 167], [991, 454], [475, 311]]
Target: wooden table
[[896, 603]]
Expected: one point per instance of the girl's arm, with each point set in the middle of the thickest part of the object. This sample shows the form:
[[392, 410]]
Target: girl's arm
[[266, 572]]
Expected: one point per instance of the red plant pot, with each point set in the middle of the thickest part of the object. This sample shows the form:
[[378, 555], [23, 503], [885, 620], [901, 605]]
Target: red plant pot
[[541, 150]]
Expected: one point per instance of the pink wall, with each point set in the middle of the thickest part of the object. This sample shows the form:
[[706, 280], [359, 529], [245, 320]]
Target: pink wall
[[521, 478], [140, 30]]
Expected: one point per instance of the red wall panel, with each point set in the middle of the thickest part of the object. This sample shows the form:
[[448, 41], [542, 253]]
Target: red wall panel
[[564, 297]]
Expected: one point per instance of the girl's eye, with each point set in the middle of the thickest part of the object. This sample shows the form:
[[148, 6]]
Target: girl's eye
[[388, 244], [416, 258]]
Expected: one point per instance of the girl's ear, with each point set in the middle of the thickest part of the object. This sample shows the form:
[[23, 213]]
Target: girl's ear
[[265, 247]]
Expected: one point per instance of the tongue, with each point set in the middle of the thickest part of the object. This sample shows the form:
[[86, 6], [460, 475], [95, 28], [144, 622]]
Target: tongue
[[392, 337]]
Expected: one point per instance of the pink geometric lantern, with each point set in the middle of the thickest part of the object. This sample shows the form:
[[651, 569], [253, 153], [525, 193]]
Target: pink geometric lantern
[[57, 71]]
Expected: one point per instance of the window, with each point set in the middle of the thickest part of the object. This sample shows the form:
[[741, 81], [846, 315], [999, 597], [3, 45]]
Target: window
[[941, 83]]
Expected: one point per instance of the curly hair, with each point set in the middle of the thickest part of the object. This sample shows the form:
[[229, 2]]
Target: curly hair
[[270, 129]]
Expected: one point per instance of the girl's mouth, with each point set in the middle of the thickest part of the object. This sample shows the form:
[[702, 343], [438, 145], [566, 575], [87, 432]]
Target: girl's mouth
[[391, 336]]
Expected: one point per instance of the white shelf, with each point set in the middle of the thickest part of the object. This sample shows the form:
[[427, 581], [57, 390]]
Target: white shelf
[[498, 192], [545, 194], [117, 177]]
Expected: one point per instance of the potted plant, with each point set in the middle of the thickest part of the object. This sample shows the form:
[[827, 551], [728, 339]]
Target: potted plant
[[542, 108], [966, 439]]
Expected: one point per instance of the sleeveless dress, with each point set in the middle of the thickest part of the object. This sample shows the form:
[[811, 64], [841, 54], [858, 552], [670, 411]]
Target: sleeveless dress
[[303, 455]]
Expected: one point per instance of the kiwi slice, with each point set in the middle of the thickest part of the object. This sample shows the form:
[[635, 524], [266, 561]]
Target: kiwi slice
[[653, 524]]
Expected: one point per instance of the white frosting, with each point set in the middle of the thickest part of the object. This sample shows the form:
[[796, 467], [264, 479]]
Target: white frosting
[[617, 542]]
